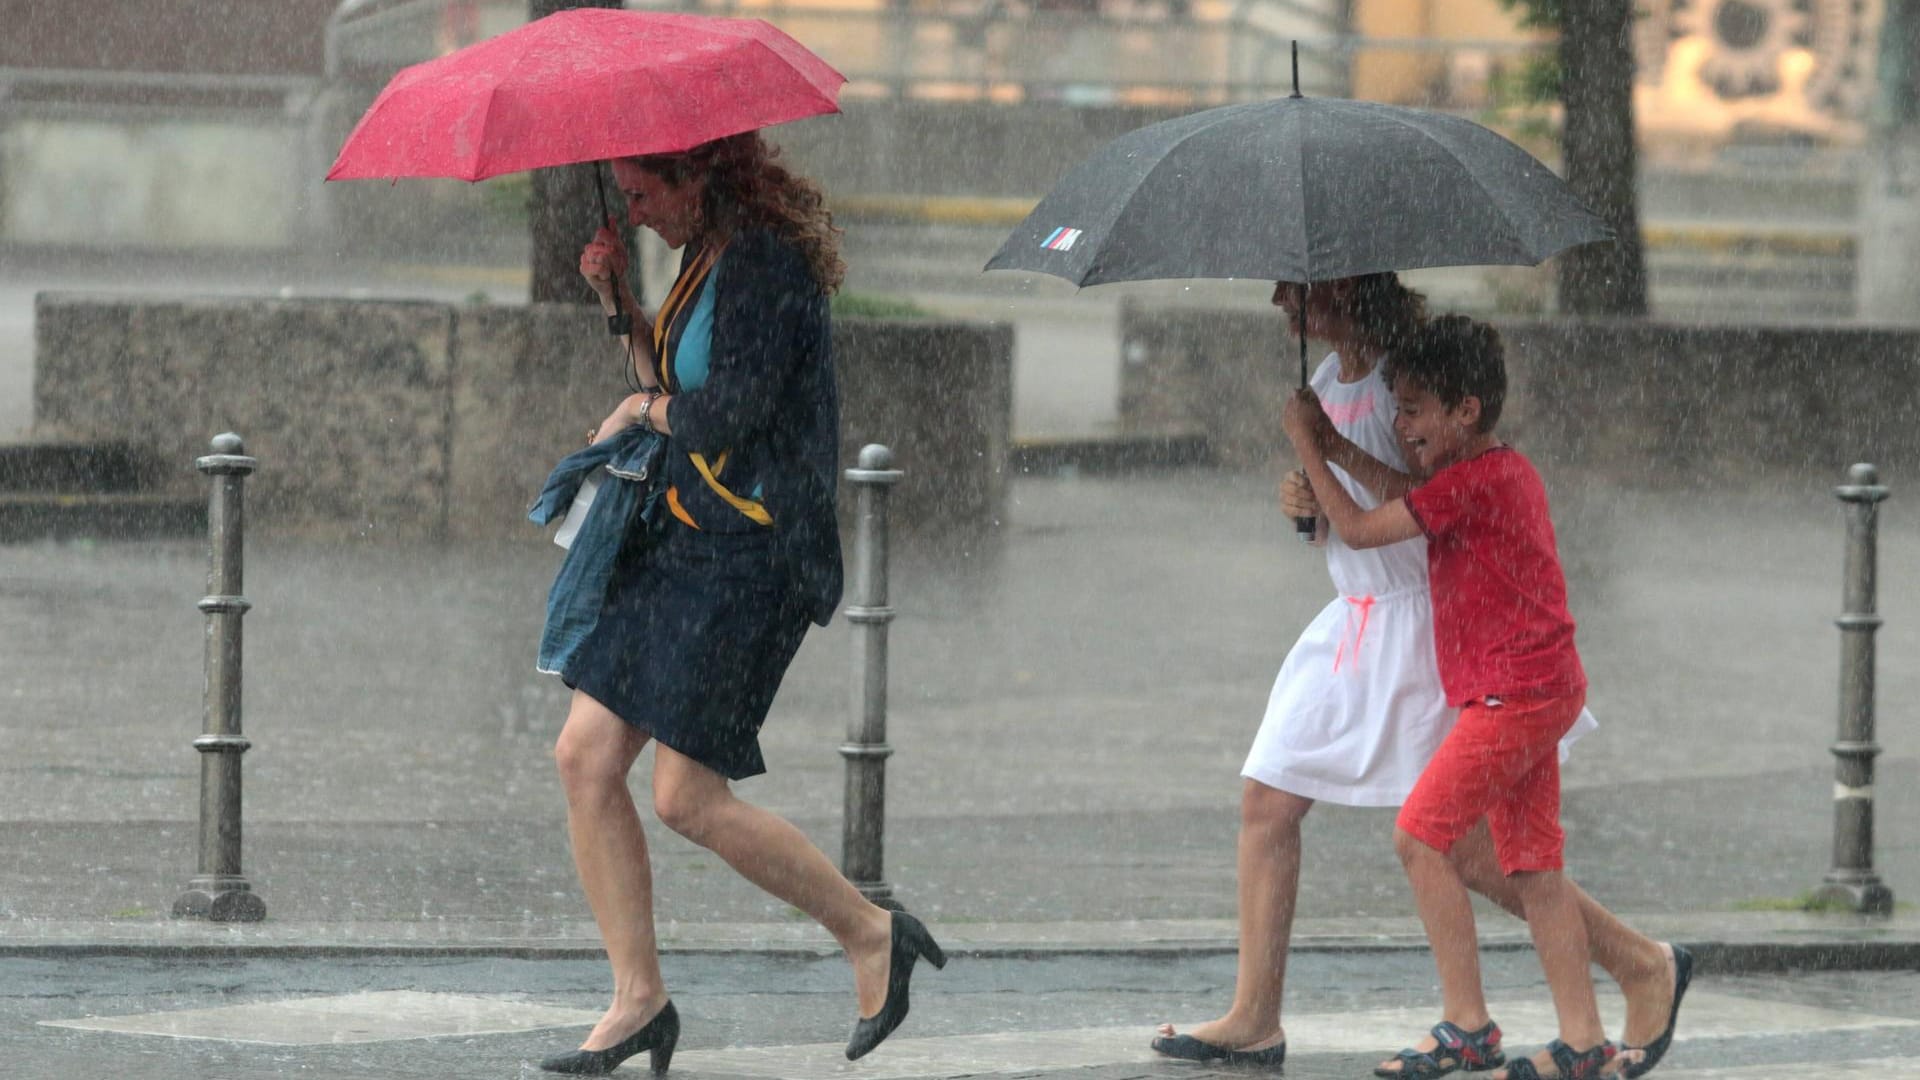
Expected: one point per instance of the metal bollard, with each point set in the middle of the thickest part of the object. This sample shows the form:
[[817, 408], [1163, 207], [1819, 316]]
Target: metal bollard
[[1852, 881], [219, 892], [866, 750]]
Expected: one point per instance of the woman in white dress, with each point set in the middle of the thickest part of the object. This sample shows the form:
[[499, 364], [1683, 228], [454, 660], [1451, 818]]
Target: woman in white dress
[[1357, 708]]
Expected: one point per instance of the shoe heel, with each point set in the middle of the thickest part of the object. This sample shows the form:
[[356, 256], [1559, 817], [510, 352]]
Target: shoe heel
[[662, 1054], [922, 942]]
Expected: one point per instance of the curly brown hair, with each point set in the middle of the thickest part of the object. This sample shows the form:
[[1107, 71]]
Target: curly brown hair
[[748, 187]]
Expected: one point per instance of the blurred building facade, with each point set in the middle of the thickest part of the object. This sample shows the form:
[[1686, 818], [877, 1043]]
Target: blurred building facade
[[206, 124]]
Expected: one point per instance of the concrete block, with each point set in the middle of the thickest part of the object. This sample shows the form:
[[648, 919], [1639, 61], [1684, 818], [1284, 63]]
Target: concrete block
[[940, 394], [529, 381], [1644, 401], [343, 402], [425, 419]]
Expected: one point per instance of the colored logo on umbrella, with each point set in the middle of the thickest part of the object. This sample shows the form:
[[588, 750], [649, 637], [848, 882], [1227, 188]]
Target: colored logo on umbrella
[[1061, 239]]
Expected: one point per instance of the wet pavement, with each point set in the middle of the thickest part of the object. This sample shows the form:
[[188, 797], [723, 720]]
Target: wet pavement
[[1069, 709], [201, 1018]]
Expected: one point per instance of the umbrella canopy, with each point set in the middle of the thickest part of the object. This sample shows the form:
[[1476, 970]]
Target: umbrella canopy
[[1298, 189], [586, 84]]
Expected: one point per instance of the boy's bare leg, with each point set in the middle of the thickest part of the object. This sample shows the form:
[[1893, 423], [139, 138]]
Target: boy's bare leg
[[1560, 939], [1447, 913], [1269, 868], [1642, 966]]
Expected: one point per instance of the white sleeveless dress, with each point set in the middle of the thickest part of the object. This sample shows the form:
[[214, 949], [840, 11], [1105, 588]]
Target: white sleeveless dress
[[1358, 709]]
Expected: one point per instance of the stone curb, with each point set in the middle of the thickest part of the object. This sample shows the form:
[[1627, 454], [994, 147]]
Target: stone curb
[[1711, 958], [1722, 943]]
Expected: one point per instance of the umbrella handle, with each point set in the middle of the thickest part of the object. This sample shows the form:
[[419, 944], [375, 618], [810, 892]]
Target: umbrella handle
[[620, 323], [1305, 527]]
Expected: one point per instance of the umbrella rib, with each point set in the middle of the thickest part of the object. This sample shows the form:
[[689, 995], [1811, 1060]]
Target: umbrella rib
[[1512, 226], [1306, 207], [480, 144], [1120, 210]]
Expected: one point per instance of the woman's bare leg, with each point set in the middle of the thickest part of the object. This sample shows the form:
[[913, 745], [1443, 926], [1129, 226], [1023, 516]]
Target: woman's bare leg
[[595, 752], [1642, 966], [769, 851], [1269, 869]]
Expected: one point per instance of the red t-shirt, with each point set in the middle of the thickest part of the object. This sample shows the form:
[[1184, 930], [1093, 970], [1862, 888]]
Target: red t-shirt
[[1500, 620]]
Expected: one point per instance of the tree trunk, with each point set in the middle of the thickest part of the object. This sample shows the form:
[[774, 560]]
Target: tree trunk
[[563, 210], [1886, 291], [1596, 87]]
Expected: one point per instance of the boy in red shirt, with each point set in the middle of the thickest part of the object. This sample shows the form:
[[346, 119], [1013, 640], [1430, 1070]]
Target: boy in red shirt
[[1504, 642]]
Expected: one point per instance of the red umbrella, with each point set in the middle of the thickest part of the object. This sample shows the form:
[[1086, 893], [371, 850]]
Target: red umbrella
[[586, 84]]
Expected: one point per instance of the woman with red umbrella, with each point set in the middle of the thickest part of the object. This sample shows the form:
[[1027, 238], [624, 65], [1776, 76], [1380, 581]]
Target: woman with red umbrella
[[705, 601], [705, 609]]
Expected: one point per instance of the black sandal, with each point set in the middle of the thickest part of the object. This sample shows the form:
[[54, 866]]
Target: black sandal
[[1572, 1065], [1657, 1049], [1473, 1051]]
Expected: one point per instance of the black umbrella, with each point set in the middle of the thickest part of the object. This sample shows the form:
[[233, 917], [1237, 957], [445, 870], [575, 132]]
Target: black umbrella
[[1298, 189]]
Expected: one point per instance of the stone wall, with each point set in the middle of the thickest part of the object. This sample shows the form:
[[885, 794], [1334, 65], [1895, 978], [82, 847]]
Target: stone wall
[[1641, 401], [424, 419]]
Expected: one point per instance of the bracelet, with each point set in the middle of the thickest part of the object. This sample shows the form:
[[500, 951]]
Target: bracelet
[[646, 411]]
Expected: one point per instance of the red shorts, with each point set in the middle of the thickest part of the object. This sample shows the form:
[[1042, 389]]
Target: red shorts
[[1500, 762]]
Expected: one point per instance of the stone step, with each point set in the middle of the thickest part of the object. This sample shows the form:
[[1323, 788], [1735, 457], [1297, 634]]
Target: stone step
[[70, 467], [121, 515]]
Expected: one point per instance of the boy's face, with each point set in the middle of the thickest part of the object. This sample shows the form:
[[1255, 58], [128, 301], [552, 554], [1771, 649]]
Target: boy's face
[[1434, 434]]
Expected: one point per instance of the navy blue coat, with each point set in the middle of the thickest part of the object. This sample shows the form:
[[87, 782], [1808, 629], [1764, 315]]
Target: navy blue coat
[[770, 402]]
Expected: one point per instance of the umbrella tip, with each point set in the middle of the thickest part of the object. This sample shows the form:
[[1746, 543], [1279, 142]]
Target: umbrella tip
[[1296, 69]]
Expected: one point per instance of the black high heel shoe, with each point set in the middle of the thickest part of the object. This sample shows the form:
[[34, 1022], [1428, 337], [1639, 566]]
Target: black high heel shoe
[[659, 1035], [910, 943]]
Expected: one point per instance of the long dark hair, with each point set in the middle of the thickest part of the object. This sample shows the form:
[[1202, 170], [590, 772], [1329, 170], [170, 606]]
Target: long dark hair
[[1384, 313], [748, 187]]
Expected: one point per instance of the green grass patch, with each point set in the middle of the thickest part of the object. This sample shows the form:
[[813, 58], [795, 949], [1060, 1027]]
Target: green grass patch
[[1805, 902], [131, 913]]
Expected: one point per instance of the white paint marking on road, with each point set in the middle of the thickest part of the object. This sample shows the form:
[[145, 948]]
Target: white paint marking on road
[[1531, 1023], [382, 1016], [397, 1015], [1800, 1070]]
